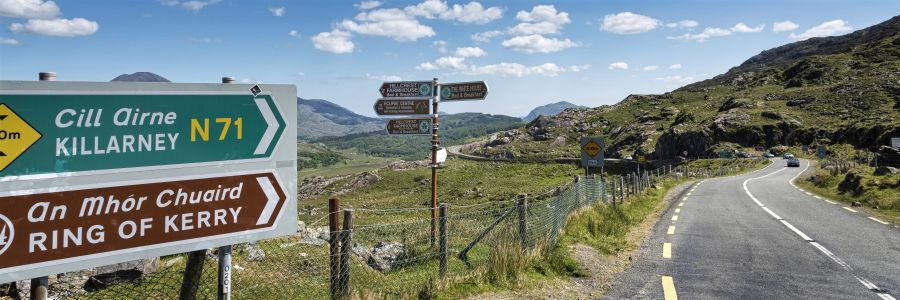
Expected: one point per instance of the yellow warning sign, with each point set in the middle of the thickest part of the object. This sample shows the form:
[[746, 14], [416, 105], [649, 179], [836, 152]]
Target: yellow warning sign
[[592, 148], [16, 136]]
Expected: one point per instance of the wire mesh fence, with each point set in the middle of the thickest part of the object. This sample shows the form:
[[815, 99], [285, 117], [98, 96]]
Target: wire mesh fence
[[365, 257]]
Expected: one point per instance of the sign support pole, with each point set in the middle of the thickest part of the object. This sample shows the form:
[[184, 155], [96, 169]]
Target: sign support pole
[[435, 142], [39, 285], [225, 253]]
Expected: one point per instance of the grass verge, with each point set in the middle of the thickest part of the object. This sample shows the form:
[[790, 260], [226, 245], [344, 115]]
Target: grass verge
[[880, 195]]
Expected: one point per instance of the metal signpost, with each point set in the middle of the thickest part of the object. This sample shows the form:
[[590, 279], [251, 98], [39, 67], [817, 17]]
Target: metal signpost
[[101, 173], [404, 98], [727, 154], [895, 142], [821, 151], [592, 153]]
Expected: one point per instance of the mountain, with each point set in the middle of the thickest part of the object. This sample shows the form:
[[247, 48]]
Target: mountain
[[549, 110], [318, 118], [455, 129], [830, 90], [141, 77]]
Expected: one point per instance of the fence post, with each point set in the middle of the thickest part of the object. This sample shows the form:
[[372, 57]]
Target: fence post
[[523, 221], [613, 192], [346, 245], [557, 212], [192, 271], [579, 191], [442, 228], [334, 227]]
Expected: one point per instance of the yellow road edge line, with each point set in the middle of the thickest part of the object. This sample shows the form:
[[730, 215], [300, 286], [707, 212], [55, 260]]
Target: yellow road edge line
[[672, 229], [850, 209], [667, 250], [675, 218], [872, 218], [668, 286]]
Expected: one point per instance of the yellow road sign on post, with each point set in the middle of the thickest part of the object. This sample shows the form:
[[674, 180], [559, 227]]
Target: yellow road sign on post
[[592, 151], [16, 136], [592, 148]]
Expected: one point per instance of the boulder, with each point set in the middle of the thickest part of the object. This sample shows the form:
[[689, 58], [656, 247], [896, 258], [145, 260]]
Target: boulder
[[364, 179], [773, 115], [732, 103], [560, 141], [881, 171], [677, 140], [851, 184], [385, 255]]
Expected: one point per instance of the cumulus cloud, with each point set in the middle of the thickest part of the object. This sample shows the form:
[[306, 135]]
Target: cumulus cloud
[[683, 24], [621, 65], [57, 27], [9, 42], [741, 27], [383, 77], [196, 5], [336, 41], [392, 23], [538, 44], [486, 36], [472, 12], [651, 68], [369, 4], [470, 52], [294, 33], [30, 9], [542, 19], [830, 28], [784, 26], [277, 11], [677, 79], [708, 32], [455, 63], [458, 64], [628, 23], [675, 67]]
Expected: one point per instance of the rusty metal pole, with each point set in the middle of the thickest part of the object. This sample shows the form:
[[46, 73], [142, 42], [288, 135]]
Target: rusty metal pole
[[435, 143]]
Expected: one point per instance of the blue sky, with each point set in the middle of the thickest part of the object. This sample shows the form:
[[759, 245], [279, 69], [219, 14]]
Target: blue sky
[[586, 52]]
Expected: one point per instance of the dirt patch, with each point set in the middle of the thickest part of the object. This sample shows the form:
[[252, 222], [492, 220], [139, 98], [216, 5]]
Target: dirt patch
[[602, 268]]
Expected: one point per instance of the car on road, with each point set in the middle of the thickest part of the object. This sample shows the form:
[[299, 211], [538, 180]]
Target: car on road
[[793, 162], [769, 155], [788, 155]]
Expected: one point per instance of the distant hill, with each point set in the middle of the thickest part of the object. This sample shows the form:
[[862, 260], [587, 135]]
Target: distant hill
[[455, 130], [828, 90], [549, 110], [318, 118], [141, 77]]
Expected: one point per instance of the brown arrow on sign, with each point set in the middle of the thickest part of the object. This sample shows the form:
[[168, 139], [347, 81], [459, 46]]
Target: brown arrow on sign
[[406, 89], [63, 226], [385, 107], [475, 90]]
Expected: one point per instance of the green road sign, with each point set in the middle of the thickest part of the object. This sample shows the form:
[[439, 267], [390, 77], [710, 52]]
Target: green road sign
[[90, 132], [726, 154]]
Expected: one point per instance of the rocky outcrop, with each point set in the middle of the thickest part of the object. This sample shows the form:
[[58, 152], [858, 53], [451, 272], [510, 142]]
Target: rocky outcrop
[[677, 140]]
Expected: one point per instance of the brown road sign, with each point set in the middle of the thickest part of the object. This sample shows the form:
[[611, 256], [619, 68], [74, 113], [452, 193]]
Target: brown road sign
[[409, 126], [406, 89], [48, 229], [385, 107], [475, 90]]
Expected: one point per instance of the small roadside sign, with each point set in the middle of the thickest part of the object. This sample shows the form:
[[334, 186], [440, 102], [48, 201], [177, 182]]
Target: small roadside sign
[[387, 107], [821, 151], [805, 149], [642, 158], [895, 142], [726, 154], [461, 91], [441, 155], [409, 126], [406, 89], [592, 151]]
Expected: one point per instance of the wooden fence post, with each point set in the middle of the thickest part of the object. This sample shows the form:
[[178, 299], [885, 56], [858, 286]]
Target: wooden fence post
[[523, 221], [346, 245], [442, 228], [334, 227], [192, 272]]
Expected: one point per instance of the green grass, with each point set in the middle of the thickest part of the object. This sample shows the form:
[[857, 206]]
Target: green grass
[[353, 162], [882, 192]]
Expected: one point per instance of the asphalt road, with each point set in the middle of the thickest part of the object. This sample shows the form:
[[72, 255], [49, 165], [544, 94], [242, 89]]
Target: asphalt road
[[757, 236]]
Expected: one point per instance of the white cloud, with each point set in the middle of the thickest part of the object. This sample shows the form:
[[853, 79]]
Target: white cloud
[[10, 42], [651, 68], [336, 41], [196, 5], [676, 79], [628, 23], [542, 19], [205, 40], [683, 24], [57, 27], [579, 68], [741, 27], [708, 32], [486, 36], [504, 69], [470, 52], [392, 23], [31, 9], [830, 28], [383, 77], [278, 11], [784, 26], [675, 67], [455, 63], [440, 45], [472, 12], [369, 4], [538, 44], [294, 33], [618, 66]]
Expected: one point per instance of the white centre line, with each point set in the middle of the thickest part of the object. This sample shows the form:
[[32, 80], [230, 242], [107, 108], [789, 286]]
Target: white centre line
[[877, 220]]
